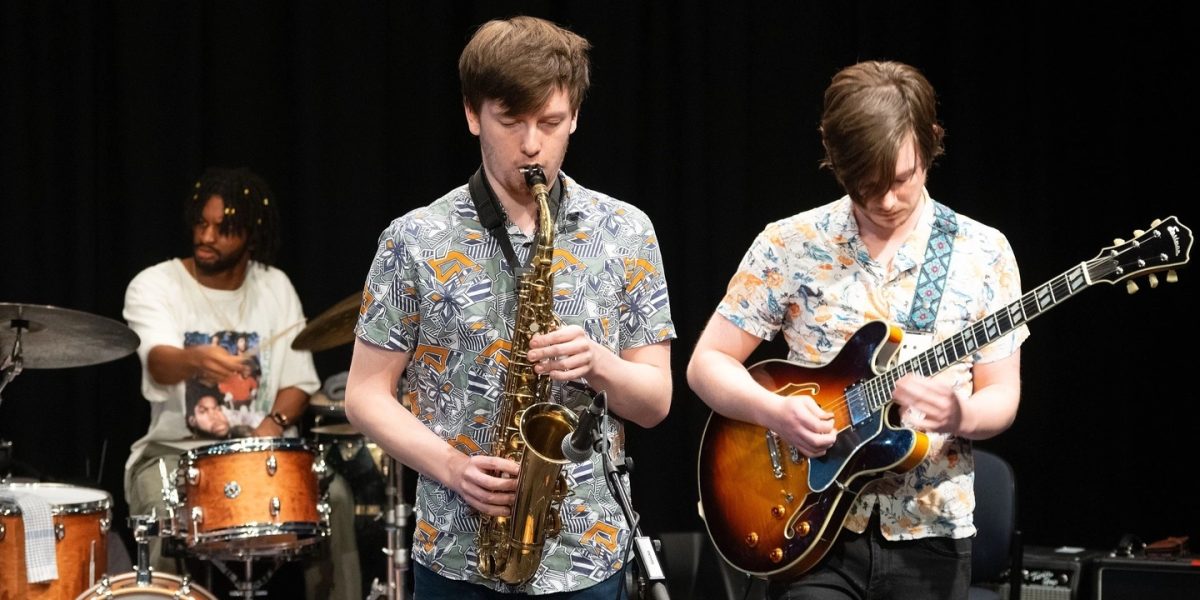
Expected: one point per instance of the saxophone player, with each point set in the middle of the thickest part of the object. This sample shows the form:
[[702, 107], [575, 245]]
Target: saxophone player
[[439, 308]]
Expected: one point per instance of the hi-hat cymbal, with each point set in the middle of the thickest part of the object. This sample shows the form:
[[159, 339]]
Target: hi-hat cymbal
[[56, 338], [331, 328]]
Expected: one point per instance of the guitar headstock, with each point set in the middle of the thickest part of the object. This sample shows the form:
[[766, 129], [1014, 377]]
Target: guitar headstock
[[1166, 245]]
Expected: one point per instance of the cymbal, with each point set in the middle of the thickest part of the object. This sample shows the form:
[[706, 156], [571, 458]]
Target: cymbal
[[56, 338], [331, 328]]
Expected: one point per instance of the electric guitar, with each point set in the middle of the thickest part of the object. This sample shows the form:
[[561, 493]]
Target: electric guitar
[[774, 513]]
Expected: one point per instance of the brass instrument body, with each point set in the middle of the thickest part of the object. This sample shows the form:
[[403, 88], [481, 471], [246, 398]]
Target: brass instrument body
[[529, 428]]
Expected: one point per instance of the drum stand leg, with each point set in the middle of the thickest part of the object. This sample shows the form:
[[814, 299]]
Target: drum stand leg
[[397, 524], [247, 587]]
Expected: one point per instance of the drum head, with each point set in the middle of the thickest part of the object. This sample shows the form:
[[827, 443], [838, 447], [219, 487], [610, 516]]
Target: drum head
[[64, 499]]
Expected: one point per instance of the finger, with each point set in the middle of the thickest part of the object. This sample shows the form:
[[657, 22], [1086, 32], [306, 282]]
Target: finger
[[495, 464], [569, 375]]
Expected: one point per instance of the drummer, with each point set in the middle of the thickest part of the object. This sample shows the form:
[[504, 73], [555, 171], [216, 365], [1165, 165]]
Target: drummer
[[209, 321]]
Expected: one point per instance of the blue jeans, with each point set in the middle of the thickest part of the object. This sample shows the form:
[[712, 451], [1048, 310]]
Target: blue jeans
[[428, 585], [868, 567]]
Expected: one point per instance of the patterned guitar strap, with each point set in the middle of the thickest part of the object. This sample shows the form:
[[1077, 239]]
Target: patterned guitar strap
[[932, 279]]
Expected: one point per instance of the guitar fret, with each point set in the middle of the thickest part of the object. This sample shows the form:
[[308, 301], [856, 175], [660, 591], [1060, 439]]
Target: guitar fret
[[1076, 281], [1019, 317], [1042, 299]]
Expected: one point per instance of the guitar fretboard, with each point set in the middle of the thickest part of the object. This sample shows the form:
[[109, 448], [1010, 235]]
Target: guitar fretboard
[[871, 395]]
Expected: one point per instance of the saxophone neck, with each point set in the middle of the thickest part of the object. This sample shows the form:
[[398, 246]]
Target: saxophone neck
[[535, 178]]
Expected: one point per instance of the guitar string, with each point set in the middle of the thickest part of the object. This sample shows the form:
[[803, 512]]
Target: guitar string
[[1059, 283]]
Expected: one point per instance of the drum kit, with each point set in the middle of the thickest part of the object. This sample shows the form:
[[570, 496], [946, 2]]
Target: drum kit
[[249, 500]]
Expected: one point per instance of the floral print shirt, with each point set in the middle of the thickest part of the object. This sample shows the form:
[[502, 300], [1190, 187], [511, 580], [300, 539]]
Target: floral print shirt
[[811, 277], [440, 289]]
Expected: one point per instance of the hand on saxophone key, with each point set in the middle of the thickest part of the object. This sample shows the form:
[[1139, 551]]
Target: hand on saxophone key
[[487, 483], [565, 354]]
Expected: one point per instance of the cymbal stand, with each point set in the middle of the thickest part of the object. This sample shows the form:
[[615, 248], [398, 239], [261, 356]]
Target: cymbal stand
[[10, 367], [14, 362], [650, 575], [397, 525]]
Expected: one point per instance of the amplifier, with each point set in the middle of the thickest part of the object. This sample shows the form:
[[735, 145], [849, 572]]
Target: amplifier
[[1144, 578], [1053, 573]]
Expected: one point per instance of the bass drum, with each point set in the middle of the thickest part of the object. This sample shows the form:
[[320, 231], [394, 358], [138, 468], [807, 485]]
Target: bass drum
[[162, 585]]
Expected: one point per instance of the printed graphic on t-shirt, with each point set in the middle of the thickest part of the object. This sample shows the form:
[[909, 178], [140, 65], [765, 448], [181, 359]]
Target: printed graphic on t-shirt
[[228, 408]]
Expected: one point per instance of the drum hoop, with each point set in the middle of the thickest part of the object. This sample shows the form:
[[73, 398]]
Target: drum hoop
[[253, 530], [255, 444], [86, 507], [222, 543], [118, 586]]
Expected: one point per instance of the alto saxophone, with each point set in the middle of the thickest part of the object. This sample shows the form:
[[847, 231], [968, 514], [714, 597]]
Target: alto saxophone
[[529, 429]]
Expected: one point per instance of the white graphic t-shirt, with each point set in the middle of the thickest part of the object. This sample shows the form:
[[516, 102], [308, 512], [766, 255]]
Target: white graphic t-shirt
[[165, 305]]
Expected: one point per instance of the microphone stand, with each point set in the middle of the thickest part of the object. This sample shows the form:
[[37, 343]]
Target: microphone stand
[[650, 577]]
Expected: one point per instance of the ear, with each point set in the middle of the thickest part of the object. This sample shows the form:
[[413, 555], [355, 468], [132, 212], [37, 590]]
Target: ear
[[574, 121], [472, 118]]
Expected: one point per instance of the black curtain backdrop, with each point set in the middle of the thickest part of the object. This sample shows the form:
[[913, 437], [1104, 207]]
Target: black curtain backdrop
[[1068, 125]]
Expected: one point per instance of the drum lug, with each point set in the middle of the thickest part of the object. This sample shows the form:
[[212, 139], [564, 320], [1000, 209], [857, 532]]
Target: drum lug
[[193, 475], [320, 467], [272, 465], [324, 510], [105, 524], [275, 506], [3, 531], [232, 489], [197, 519], [60, 531]]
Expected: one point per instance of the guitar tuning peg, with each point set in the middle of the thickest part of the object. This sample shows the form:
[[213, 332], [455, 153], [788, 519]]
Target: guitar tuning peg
[[1131, 287], [1153, 279], [1138, 232], [1118, 241], [1172, 276]]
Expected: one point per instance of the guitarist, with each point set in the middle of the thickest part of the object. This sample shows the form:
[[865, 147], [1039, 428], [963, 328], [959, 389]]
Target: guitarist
[[820, 275]]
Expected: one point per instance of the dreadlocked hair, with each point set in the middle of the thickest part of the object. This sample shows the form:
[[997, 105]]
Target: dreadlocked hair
[[250, 208]]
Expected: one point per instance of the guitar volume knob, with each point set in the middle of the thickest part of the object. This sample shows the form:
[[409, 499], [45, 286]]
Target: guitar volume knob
[[776, 555], [752, 539], [778, 511], [803, 528]]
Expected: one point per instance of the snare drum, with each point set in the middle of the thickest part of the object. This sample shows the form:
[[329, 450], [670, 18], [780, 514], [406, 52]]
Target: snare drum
[[81, 518], [162, 585], [250, 497]]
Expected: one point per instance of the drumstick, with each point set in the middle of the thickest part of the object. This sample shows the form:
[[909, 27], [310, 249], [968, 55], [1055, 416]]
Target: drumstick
[[251, 353]]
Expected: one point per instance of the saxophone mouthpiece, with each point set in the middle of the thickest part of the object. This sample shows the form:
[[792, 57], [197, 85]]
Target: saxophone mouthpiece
[[533, 175]]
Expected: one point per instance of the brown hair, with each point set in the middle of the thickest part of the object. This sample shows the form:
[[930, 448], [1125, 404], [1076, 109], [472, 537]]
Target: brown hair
[[521, 62], [869, 109]]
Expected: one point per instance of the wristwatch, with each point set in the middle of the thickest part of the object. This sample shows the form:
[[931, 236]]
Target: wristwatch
[[280, 419]]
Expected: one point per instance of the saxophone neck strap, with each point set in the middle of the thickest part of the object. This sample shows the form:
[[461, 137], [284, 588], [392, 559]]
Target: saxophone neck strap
[[492, 216]]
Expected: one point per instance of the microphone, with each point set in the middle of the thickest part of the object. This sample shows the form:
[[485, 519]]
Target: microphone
[[578, 446]]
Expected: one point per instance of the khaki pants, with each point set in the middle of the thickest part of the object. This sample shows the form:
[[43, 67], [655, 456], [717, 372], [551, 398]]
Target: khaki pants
[[332, 574]]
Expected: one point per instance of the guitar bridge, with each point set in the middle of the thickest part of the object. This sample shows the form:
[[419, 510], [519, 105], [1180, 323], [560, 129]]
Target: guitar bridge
[[773, 451]]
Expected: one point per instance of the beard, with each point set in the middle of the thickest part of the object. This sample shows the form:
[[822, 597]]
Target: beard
[[220, 264]]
